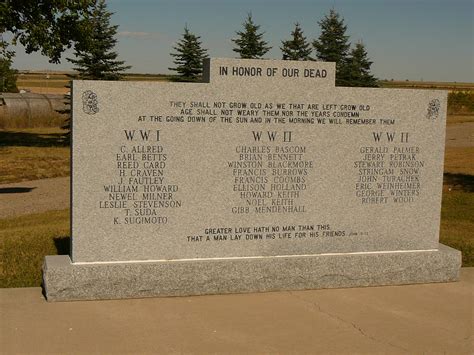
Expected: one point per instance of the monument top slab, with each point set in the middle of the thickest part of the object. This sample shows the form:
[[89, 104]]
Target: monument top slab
[[258, 73]]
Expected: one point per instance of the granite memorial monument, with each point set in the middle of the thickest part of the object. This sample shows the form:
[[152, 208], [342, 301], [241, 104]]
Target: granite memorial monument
[[265, 177]]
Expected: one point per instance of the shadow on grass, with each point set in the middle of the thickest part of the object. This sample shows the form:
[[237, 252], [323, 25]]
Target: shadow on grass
[[15, 190], [63, 245], [25, 139], [462, 182]]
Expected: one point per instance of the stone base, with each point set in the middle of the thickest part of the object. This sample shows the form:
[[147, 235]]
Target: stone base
[[66, 281]]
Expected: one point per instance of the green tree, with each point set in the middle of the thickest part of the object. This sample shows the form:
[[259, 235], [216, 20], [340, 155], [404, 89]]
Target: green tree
[[96, 59], [7, 76], [359, 68], [297, 48], [333, 44], [49, 26], [95, 56], [250, 43], [189, 56]]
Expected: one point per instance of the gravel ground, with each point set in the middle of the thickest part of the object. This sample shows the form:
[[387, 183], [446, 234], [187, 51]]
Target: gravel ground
[[53, 194]]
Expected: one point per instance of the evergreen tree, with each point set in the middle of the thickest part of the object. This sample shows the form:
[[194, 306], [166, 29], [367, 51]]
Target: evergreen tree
[[296, 48], [250, 43], [333, 44], [359, 68], [96, 59], [7, 76], [189, 56]]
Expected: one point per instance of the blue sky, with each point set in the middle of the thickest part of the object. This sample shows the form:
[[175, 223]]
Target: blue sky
[[406, 39]]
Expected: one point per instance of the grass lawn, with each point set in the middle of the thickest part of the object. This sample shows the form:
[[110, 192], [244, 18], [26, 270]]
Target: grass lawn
[[457, 223], [31, 154], [26, 240]]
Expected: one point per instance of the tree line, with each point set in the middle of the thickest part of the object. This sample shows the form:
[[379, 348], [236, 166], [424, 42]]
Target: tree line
[[51, 26], [352, 65]]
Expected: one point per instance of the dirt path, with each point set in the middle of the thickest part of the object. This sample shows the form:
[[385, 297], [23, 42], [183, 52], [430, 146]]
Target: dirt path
[[34, 196], [53, 194]]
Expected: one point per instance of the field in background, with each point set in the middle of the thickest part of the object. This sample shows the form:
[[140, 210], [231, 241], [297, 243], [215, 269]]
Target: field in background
[[450, 86], [56, 83]]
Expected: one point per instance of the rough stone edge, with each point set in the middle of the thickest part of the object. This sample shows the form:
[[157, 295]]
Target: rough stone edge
[[65, 281]]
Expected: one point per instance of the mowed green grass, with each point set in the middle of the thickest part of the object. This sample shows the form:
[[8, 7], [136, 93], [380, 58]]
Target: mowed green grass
[[457, 211], [457, 223], [24, 242]]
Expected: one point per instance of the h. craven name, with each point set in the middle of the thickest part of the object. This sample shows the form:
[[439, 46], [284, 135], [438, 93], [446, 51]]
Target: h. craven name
[[280, 72]]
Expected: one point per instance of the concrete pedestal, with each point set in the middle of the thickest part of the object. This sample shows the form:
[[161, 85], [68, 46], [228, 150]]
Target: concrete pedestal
[[67, 281]]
